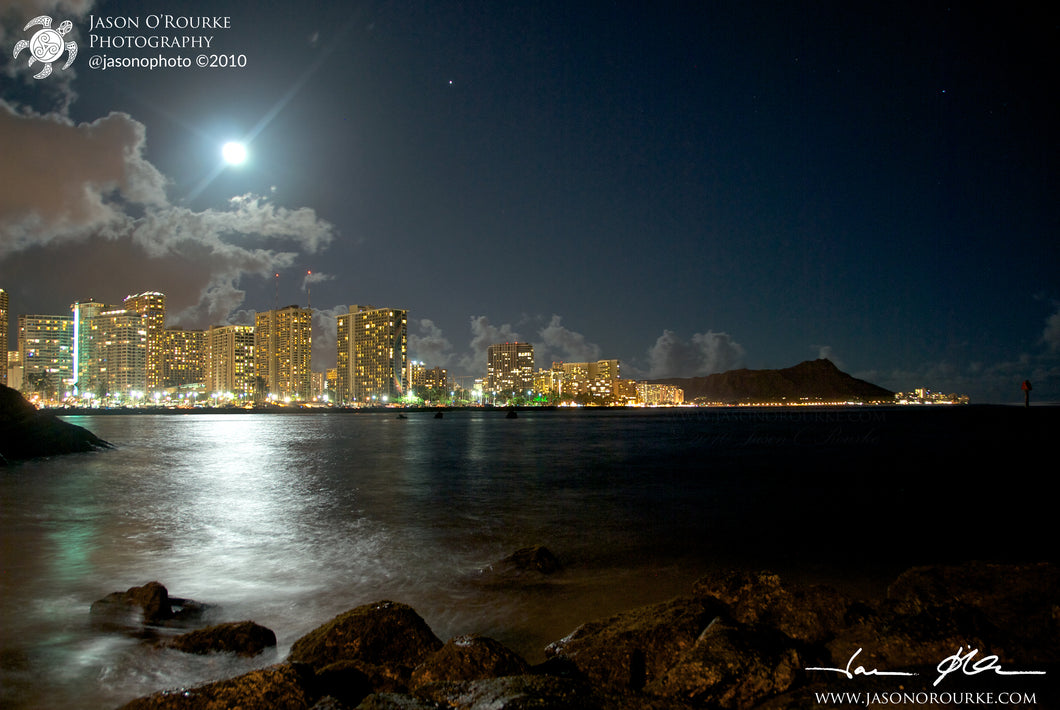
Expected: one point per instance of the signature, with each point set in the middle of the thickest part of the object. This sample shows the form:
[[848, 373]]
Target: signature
[[959, 661], [860, 670]]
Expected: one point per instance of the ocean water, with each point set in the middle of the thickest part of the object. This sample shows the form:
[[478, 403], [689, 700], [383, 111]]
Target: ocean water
[[290, 519]]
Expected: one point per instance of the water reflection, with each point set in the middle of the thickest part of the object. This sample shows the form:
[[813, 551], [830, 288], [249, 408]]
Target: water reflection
[[291, 519]]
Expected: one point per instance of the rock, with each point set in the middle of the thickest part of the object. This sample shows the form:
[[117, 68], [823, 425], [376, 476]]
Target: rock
[[893, 638], [280, 687], [385, 637], [525, 568], [329, 702], [348, 682], [26, 432], [396, 701], [1020, 601], [514, 693], [244, 638], [469, 658], [812, 613], [148, 604], [632, 649], [536, 558], [731, 665]]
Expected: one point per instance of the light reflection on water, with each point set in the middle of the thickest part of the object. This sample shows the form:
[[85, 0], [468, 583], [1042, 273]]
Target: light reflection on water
[[291, 519]]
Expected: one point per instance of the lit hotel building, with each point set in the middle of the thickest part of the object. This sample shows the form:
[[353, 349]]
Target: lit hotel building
[[183, 358], [283, 347], [119, 344], [510, 367], [230, 360], [372, 350], [151, 305], [46, 351], [418, 376], [86, 368]]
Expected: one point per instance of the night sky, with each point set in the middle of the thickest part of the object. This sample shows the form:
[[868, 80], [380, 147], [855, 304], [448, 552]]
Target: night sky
[[687, 187]]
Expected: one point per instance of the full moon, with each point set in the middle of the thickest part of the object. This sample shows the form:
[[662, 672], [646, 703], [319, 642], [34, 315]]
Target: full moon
[[234, 152]]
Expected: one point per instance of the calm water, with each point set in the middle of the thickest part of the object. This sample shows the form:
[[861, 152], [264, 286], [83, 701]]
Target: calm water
[[291, 519]]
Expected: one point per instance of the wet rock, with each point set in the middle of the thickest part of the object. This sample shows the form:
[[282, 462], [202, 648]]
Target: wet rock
[[469, 658], [280, 687], [26, 432], [894, 638], [397, 701], [329, 703], [731, 665], [148, 604], [807, 613], [515, 693], [632, 649], [244, 638], [527, 568], [386, 637], [348, 682], [536, 558]]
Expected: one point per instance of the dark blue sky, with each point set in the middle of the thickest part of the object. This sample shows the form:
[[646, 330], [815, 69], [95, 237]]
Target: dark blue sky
[[688, 187]]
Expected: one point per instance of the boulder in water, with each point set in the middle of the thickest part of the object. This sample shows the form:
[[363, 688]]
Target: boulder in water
[[26, 432], [148, 604]]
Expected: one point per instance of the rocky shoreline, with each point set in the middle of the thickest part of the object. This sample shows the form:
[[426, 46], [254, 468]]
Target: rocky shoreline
[[737, 640]]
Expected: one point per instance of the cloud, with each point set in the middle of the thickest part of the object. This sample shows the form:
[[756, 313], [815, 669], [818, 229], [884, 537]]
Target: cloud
[[429, 345], [705, 354], [75, 192], [64, 181], [825, 352], [560, 343], [1051, 333], [325, 336], [314, 277], [484, 334]]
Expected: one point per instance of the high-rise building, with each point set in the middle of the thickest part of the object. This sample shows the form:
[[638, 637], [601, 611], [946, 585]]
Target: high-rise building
[[593, 379], [230, 360], [86, 366], [654, 394], [152, 306], [14, 370], [510, 367], [183, 357], [372, 349], [45, 347], [120, 353], [3, 335], [426, 381], [331, 384], [283, 349]]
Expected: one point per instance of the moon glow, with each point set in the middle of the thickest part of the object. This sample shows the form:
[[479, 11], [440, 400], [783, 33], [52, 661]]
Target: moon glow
[[234, 152]]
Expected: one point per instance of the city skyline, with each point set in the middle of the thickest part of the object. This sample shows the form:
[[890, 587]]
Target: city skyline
[[685, 189]]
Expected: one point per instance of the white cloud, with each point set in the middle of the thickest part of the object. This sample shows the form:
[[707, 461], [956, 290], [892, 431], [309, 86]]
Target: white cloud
[[483, 335], [705, 354], [428, 344], [1051, 333], [560, 343], [64, 181]]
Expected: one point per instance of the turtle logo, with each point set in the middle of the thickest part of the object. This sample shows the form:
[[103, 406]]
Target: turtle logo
[[47, 45]]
